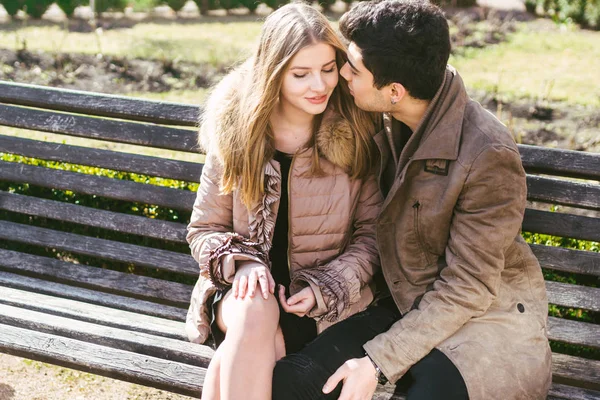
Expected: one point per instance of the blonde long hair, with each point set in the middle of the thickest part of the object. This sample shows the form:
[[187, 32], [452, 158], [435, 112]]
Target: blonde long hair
[[247, 148]]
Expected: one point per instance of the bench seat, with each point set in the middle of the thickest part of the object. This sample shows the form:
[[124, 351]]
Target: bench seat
[[105, 289]]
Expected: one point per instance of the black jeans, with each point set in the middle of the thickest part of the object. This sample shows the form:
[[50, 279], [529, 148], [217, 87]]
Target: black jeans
[[302, 375]]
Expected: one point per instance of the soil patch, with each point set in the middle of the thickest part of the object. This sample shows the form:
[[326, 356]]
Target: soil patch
[[106, 74]]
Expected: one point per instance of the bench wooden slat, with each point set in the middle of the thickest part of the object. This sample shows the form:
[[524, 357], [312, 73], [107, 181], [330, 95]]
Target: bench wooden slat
[[139, 164], [105, 249], [556, 191], [92, 313], [137, 133], [557, 392], [559, 224], [99, 104], [143, 307], [105, 280], [567, 260], [567, 295], [568, 163], [576, 371], [119, 222], [97, 185], [143, 343], [106, 361], [574, 332], [564, 392]]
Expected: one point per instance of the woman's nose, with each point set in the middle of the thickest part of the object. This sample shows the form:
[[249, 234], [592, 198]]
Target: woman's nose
[[318, 84]]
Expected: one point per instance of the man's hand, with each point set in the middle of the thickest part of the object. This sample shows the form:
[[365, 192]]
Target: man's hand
[[300, 303], [248, 276], [358, 375]]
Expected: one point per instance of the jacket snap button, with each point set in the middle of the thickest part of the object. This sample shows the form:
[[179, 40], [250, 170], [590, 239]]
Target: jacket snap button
[[521, 308]]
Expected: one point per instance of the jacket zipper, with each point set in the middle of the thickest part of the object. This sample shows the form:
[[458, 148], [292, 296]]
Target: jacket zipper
[[416, 207], [290, 214]]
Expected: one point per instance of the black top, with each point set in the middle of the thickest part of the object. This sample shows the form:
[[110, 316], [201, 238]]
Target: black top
[[279, 249]]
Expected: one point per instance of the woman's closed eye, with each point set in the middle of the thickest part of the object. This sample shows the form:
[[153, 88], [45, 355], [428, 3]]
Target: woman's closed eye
[[327, 71]]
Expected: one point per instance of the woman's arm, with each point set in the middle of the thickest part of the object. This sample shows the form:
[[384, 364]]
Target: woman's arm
[[214, 244]]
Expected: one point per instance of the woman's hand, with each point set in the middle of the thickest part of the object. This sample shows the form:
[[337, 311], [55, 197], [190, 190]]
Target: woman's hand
[[300, 303], [248, 275]]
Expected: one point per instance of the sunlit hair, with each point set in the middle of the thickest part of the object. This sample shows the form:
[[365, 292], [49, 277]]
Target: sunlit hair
[[246, 149]]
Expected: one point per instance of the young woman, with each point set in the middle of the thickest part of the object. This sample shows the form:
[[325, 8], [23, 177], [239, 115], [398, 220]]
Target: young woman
[[286, 198]]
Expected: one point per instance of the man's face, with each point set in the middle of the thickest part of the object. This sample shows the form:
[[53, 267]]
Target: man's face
[[360, 82]]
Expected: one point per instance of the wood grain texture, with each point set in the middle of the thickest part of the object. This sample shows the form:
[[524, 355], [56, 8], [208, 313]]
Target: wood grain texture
[[568, 163], [103, 280], [576, 371], [564, 225], [139, 164], [568, 193], [142, 307], [567, 260], [141, 343], [92, 313], [574, 332], [567, 295], [119, 222], [99, 104], [560, 392], [105, 249], [97, 185], [101, 129], [102, 360]]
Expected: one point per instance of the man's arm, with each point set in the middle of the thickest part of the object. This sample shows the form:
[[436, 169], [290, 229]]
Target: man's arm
[[486, 220]]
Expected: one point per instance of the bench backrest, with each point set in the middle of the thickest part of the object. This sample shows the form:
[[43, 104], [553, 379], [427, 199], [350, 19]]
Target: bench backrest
[[155, 249]]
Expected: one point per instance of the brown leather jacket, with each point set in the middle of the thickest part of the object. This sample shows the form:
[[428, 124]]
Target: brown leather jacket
[[332, 218], [452, 255]]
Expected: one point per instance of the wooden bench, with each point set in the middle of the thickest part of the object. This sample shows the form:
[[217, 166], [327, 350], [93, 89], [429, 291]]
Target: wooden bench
[[85, 309]]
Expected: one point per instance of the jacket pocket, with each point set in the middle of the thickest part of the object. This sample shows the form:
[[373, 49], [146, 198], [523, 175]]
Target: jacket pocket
[[416, 227]]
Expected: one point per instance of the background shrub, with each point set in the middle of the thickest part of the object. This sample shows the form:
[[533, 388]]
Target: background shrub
[[37, 8], [12, 6], [112, 5], [68, 6], [176, 5]]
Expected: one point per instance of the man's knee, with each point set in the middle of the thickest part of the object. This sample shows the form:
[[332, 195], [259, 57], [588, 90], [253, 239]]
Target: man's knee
[[297, 377]]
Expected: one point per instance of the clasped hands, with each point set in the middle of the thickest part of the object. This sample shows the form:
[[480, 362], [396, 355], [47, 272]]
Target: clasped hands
[[252, 276]]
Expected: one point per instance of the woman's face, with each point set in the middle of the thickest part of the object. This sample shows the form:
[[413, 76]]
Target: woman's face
[[309, 80]]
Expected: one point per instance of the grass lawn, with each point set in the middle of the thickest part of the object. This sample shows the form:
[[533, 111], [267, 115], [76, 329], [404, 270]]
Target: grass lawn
[[538, 57], [211, 41], [535, 60]]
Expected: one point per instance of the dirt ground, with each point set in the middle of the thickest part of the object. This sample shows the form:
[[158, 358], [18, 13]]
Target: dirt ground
[[22, 379]]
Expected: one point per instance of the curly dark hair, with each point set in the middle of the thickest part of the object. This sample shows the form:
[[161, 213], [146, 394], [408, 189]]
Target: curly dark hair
[[407, 42]]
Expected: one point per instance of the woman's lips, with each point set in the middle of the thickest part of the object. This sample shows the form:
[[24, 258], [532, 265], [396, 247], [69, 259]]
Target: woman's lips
[[317, 100]]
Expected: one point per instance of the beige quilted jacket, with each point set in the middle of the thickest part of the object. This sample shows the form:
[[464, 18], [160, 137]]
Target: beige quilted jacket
[[332, 222]]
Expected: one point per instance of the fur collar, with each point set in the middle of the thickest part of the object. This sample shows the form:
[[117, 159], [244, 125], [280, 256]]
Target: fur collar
[[334, 139]]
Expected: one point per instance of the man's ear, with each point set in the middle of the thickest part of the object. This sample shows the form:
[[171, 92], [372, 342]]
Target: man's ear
[[397, 92]]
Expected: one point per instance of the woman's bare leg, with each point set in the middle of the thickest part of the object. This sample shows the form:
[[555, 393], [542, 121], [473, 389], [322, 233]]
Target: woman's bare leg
[[248, 353], [211, 387]]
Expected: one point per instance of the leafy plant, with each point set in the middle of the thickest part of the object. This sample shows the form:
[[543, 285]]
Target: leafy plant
[[36, 8], [12, 7], [68, 6], [176, 5]]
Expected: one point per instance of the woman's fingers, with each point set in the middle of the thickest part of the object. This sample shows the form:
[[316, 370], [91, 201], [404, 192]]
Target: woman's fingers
[[243, 286], [252, 278], [264, 285], [235, 287], [271, 283]]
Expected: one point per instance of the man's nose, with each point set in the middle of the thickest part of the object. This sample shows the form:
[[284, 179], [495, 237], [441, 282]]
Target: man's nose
[[345, 72]]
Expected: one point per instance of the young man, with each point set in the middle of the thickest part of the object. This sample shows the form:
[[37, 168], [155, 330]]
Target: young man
[[468, 309]]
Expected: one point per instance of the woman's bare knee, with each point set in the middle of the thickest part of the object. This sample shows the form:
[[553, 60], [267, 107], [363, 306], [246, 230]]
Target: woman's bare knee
[[251, 315]]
